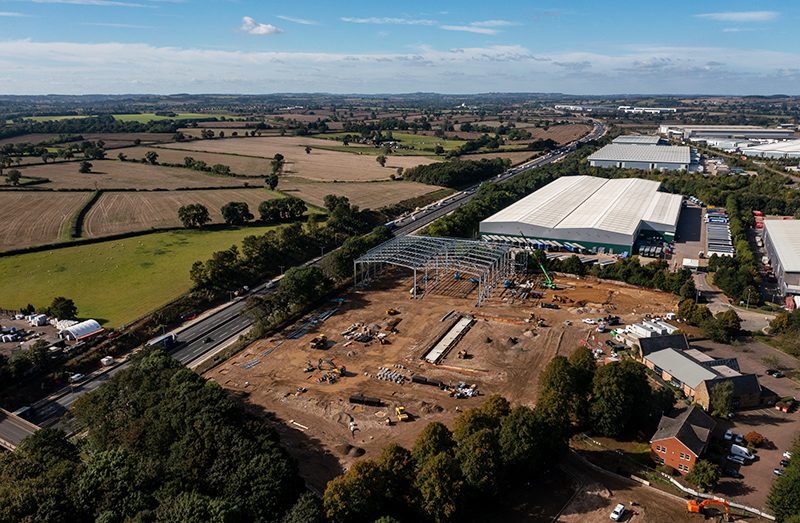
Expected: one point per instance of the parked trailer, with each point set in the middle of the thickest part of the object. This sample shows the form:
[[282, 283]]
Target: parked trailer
[[360, 399]]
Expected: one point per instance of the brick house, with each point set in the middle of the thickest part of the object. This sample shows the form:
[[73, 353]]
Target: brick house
[[680, 441]]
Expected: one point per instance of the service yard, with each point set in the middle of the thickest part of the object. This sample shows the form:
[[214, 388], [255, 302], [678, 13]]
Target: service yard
[[117, 212], [319, 164], [113, 174], [503, 352], [33, 218]]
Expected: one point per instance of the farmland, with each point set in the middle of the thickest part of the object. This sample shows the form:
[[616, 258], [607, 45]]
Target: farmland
[[149, 117], [367, 195], [118, 212], [115, 281], [422, 142], [320, 165], [32, 218], [247, 165], [113, 174]]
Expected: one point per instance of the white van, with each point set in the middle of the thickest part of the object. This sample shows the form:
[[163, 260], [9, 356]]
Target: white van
[[738, 450]]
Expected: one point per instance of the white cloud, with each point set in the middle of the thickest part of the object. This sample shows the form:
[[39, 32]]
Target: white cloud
[[11, 14], [737, 29], [34, 67], [740, 16], [250, 26], [301, 21], [493, 23], [387, 21], [469, 29]]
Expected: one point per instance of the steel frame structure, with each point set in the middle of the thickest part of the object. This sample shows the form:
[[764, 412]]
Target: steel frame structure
[[487, 263]]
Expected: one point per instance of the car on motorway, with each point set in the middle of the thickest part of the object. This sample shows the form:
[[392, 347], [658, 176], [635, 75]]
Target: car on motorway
[[618, 512], [208, 339], [76, 377]]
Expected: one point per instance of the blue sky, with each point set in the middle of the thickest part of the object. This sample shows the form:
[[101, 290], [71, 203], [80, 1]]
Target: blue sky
[[245, 46]]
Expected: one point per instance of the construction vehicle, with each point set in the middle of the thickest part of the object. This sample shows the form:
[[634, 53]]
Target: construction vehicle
[[401, 413], [548, 281], [464, 355], [319, 342], [698, 506], [392, 312]]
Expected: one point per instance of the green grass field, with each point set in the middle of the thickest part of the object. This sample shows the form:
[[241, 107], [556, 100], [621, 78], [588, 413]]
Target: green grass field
[[117, 281], [149, 117], [419, 141]]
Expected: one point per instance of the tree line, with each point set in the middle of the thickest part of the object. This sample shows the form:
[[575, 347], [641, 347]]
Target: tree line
[[280, 210], [457, 173], [161, 444]]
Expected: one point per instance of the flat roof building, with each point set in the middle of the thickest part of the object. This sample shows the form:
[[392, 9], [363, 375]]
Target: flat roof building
[[785, 149], [636, 139], [782, 242], [700, 132], [645, 157], [595, 213]]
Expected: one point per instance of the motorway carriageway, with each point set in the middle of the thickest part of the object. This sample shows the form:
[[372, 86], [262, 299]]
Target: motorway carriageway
[[230, 322]]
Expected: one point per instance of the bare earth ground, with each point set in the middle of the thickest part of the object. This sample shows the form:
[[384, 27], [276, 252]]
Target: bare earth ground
[[507, 355], [319, 165], [117, 212], [367, 195], [34, 218], [561, 133], [113, 174]]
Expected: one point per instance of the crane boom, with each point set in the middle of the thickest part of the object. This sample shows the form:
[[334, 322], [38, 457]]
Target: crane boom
[[548, 281]]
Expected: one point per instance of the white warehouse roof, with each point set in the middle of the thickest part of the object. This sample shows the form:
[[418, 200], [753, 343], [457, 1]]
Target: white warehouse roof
[[788, 147], [785, 236], [586, 202], [623, 152], [638, 139]]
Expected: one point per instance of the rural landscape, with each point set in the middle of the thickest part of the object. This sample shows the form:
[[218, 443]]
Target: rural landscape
[[464, 263]]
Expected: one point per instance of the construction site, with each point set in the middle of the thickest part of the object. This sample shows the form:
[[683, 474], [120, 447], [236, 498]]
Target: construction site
[[408, 347]]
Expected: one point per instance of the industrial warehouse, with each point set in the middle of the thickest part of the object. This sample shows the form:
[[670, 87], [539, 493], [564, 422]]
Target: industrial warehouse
[[643, 154], [705, 132], [595, 214], [782, 242], [789, 149]]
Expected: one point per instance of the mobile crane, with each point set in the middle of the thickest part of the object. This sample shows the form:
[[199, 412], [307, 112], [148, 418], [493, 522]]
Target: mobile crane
[[548, 281]]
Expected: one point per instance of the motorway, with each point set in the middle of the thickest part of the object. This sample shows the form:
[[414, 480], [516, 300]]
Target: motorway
[[220, 327], [13, 430]]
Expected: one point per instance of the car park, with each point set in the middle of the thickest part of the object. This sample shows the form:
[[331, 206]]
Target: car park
[[618, 512]]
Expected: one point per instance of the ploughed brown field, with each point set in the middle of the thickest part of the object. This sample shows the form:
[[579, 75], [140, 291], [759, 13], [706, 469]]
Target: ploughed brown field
[[113, 174], [32, 218], [112, 139], [247, 165], [367, 195], [319, 165], [118, 212]]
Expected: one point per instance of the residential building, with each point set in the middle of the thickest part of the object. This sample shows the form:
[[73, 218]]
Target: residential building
[[680, 441]]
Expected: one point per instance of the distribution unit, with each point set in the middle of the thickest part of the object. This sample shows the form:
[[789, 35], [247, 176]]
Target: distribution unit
[[782, 242], [645, 157], [597, 214]]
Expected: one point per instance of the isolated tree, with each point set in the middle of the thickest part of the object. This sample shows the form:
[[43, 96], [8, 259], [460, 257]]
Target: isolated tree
[[730, 323], [236, 213], [272, 181], [13, 176], [85, 167], [721, 399], [63, 308], [193, 215], [121, 157], [438, 150], [381, 159], [308, 149], [278, 161], [151, 157], [703, 475]]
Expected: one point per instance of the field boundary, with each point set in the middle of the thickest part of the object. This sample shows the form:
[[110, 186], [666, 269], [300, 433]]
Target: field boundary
[[76, 222]]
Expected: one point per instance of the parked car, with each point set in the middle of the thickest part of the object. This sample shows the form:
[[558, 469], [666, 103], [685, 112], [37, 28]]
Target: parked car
[[589, 321], [618, 512], [610, 343], [778, 374], [738, 450], [739, 439], [787, 454], [770, 372], [733, 473], [735, 459], [784, 463], [778, 472], [728, 435]]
